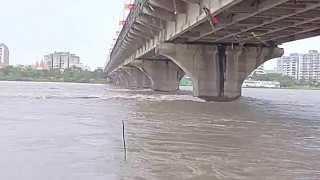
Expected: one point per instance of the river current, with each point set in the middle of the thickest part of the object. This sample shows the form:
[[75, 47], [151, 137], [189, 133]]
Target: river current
[[64, 131]]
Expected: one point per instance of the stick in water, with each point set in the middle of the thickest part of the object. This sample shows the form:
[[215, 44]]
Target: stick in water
[[124, 141]]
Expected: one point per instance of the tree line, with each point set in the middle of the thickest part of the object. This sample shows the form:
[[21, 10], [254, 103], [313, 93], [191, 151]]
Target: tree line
[[22, 73]]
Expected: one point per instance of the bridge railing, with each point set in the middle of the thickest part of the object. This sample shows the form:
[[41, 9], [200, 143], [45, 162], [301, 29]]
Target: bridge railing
[[131, 18]]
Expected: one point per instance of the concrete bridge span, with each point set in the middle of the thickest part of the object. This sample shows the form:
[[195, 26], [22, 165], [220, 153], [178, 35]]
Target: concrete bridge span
[[217, 43]]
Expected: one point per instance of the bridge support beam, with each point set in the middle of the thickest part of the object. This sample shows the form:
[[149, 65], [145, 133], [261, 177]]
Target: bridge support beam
[[218, 71], [164, 74]]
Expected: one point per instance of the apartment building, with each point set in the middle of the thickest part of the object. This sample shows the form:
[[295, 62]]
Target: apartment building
[[289, 65], [61, 60], [4, 55], [301, 66], [309, 66]]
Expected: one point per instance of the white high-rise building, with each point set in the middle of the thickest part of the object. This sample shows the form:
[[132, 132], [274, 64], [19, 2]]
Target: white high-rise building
[[4, 55], [309, 66], [301, 66], [289, 65], [62, 60]]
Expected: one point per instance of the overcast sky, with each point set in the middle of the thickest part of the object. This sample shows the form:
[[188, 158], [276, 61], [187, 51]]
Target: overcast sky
[[33, 28]]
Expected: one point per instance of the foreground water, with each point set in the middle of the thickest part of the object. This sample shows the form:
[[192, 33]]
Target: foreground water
[[51, 131]]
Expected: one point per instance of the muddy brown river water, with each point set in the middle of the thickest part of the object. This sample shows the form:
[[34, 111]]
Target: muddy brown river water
[[61, 131]]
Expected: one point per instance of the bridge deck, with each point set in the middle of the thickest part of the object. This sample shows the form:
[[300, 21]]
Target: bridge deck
[[254, 22]]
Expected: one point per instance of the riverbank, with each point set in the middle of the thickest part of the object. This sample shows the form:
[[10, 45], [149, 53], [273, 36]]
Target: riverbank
[[289, 88], [293, 88], [272, 81], [48, 81]]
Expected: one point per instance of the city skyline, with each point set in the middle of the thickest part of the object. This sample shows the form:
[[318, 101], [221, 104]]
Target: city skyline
[[84, 28], [301, 66], [300, 46]]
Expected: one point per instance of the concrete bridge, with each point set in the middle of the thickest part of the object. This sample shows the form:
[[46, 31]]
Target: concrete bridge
[[217, 43]]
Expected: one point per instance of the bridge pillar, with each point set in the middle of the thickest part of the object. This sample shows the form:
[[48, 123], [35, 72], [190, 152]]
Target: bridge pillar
[[121, 80], [164, 74], [218, 71], [133, 78]]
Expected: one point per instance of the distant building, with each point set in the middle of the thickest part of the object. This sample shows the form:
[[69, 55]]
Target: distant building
[[40, 65], [259, 71], [271, 71], [301, 66], [4, 55], [62, 60], [309, 66], [289, 65]]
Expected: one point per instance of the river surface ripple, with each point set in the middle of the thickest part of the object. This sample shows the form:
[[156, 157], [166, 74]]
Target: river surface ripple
[[64, 131]]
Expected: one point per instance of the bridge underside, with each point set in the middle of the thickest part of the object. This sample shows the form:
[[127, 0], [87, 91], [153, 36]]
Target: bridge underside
[[267, 22], [217, 43]]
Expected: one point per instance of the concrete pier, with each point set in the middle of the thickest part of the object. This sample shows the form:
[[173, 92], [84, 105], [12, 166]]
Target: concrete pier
[[164, 74], [131, 78], [218, 71]]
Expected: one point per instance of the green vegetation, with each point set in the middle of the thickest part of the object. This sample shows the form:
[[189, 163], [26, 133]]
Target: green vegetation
[[286, 81], [76, 75]]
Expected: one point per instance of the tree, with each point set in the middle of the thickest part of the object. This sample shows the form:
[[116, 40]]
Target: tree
[[21, 73]]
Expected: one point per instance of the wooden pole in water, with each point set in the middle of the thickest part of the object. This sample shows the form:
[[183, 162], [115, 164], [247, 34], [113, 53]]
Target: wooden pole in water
[[124, 141]]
